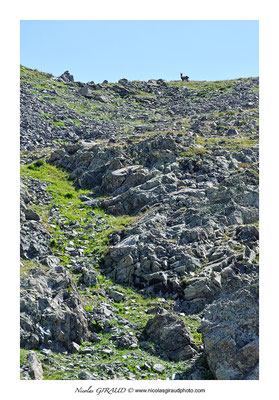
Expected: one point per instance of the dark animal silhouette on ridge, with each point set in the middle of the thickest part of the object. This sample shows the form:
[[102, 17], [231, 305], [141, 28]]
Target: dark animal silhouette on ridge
[[184, 77]]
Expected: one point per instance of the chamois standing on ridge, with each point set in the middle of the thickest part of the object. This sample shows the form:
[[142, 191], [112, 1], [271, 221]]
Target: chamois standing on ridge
[[184, 77]]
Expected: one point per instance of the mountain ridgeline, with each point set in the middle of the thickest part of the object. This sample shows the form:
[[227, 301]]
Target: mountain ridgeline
[[139, 229]]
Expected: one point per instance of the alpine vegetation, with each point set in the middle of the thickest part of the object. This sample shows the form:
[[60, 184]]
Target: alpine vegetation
[[139, 229]]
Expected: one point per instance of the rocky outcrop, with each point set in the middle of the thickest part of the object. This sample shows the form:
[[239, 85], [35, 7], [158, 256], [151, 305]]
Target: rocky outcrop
[[52, 312], [179, 161], [231, 334], [171, 335], [159, 107], [34, 237], [66, 77], [179, 248]]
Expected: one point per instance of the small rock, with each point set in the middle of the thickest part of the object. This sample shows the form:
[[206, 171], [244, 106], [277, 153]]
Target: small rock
[[31, 215], [158, 368], [116, 295], [36, 370], [84, 375], [232, 132], [75, 347], [106, 351]]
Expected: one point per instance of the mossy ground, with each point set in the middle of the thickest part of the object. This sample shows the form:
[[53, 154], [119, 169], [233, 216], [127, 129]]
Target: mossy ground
[[71, 209], [204, 146]]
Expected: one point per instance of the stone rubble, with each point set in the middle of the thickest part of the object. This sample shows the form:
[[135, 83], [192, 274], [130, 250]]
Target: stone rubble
[[182, 161]]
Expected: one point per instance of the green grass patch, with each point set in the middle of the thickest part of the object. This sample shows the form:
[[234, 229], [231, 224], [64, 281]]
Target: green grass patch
[[194, 152], [143, 94], [193, 322], [45, 115], [33, 76], [41, 86], [58, 123], [71, 209], [36, 165], [125, 362], [133, 307], [226, 143], [23, 356], [204, 87], [26, 267]]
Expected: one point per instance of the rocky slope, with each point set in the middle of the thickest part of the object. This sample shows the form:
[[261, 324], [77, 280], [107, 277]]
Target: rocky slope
[[139, 228]]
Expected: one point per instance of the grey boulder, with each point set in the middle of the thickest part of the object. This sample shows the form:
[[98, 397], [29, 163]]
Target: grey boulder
[[230, 335], [35, 370], [172, 335], [52, 313]]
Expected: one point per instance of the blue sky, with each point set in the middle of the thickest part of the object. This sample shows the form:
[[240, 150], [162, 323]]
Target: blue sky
[[142, 50]]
